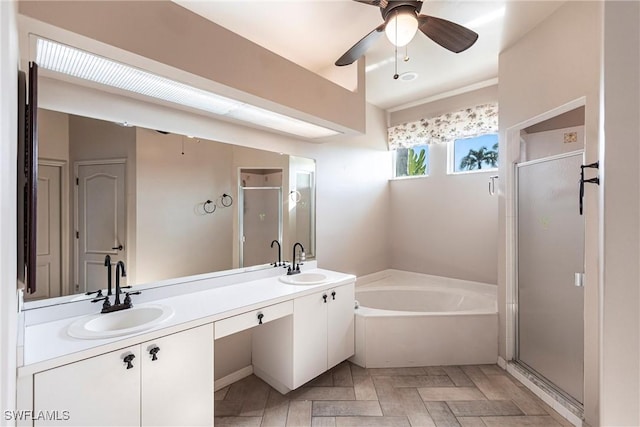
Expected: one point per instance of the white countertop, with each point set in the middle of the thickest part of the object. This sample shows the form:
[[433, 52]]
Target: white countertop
[[47, 345]]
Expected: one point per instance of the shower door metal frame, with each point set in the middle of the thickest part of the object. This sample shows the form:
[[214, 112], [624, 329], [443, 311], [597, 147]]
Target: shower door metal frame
[[515, 312], [241, 218]]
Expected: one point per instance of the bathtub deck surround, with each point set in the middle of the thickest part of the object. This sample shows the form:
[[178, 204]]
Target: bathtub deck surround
[[409, 319], [348, 395]]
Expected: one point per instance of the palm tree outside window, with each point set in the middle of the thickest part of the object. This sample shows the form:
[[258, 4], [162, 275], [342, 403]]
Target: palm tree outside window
[[475, 154]]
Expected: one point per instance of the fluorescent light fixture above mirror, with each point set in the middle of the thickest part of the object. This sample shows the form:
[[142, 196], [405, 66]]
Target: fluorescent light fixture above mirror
[[87, 66]]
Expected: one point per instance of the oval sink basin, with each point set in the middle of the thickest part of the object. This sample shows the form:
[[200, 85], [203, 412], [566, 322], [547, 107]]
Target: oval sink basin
[[119, 323], [304, 279]]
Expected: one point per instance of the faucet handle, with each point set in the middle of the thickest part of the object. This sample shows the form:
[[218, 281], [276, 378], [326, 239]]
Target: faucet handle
[[98, 292], [124, 287], [127, 297]]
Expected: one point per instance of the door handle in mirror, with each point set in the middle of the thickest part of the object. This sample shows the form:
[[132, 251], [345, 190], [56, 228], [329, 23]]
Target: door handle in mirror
[[119, 247]]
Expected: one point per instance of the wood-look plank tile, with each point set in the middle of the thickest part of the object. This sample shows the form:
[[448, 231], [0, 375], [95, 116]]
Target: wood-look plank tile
[[299, 414], [342, 375], [384, 388], [479, 408], [358, 370], [324, 393], [527, 401], [421, 381], [364, 388], [255, 398], [227, 408], [414, 408], [492, 370], [368, 408], [275, 411], [237, 421], [450, 393], [323, 422], [221, 394], [459, 378], [441, 414], [481, 381], [372, 422], [397, 371], [322, 380], [471, 422], [435, 370], [524, 421], [392, 408]]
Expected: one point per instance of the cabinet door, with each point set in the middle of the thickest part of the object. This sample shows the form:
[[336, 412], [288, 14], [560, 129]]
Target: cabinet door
[[340, 321], [309, 337], [99, 391], [177, 387]]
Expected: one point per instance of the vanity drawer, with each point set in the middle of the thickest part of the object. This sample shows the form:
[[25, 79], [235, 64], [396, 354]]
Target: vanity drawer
[[250, 319]]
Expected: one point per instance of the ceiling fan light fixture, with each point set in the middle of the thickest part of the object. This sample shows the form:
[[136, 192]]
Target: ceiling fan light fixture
[[401, 27]]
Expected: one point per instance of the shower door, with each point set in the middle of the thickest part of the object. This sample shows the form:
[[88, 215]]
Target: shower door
[[260, 224], [550, 249]]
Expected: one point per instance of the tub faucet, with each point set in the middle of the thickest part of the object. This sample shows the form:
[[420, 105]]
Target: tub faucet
[[295, 268], [279, 263]]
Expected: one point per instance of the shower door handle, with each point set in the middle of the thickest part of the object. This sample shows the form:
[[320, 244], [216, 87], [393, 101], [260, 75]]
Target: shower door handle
[[596, 180]]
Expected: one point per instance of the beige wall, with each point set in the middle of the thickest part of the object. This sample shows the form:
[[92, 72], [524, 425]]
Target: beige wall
[[445, 225], [620, 364], [8, 172], [550, 143], [175, 237], [53, 135], [556, 63], [431, 230]]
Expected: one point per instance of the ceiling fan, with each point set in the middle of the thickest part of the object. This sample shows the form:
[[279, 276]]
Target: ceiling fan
[[401, 21]]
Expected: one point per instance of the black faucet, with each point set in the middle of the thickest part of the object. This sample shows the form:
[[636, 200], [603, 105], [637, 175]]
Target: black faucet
[[279, 263], [106, 306], [295, 268], [107, 263], [119, 270]]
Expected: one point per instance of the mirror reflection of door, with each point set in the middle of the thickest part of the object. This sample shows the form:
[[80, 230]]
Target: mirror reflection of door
[[100, 220], [49, 235], [260, 212]]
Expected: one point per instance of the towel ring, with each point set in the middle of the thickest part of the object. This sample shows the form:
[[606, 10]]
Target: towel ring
[[226, 200], [209, 202], [295, 196]]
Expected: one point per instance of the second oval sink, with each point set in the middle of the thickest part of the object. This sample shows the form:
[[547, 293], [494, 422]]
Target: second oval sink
[[304, 279], [125, 322]]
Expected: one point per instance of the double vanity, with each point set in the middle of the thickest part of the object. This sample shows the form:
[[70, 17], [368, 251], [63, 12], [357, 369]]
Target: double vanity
[[153, 364]]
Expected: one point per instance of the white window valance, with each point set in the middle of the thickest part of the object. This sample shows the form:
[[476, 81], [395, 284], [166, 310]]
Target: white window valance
[[467, 123]]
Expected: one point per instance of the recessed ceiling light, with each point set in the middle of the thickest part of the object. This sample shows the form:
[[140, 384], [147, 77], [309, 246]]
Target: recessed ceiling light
[[408, 76], [84, 65]]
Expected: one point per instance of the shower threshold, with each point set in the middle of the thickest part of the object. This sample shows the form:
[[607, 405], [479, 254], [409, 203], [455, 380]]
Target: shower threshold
[[560, 401]]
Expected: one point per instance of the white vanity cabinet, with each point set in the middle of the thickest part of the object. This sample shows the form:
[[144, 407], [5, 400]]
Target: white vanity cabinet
[[319, 335], [323, 332], [174, 389]]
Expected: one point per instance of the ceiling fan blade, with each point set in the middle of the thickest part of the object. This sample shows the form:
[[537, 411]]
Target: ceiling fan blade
[[380, 3], [358, 49], [447, 34]]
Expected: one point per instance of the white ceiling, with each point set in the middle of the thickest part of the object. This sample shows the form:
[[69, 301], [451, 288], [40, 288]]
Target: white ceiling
[[315, 33]]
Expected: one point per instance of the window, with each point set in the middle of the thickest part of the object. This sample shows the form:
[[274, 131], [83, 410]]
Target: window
[[412, 161], [474, 154]]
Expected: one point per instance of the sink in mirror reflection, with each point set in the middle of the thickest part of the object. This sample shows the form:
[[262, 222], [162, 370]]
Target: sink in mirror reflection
[[168, 205], [120, 323], [304, 279]]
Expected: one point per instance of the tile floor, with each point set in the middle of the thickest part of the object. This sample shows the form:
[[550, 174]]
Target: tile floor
[[348, 395]]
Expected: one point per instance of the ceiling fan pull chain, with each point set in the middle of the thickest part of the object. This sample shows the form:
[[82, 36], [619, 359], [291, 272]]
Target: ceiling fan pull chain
[[406, 53], [395, 58]]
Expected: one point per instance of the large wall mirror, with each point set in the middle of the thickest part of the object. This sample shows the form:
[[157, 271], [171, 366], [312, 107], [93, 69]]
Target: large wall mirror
[[167, 205]]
